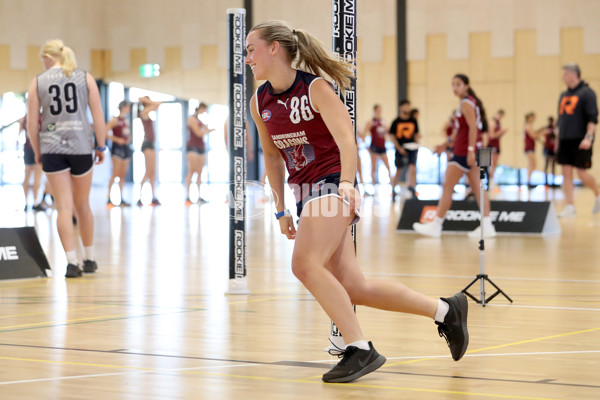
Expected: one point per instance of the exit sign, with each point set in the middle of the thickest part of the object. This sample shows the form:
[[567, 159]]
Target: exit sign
[[149, 70]]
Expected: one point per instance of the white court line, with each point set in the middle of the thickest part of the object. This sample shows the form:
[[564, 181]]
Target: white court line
[[482, 355], [544, 307], [64, 378]]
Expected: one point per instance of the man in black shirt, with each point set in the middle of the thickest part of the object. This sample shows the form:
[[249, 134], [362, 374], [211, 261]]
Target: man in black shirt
[[577, 119], [405, 136]]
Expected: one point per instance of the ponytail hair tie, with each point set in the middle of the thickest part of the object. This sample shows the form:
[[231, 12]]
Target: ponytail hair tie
[[294, 32]]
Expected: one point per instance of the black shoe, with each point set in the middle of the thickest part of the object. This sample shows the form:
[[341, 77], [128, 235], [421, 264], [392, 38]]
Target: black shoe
[[155, 202], [73, 271], [454, 327], [356, 363], [124, 204], [202, 201], [89, 266], [139, 203], [38, 207]]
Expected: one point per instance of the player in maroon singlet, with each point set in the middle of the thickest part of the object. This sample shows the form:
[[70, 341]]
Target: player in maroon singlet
[[121, 152], [196, 151], [377, 129], [468, 129], [145, 106], [304, 126], [494, 142], [530, 135]]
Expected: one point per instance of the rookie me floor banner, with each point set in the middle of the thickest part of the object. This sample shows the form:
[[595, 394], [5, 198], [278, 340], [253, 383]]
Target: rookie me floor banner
[[21, 255], [518, 217]]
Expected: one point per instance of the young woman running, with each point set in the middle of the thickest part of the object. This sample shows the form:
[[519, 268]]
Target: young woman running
[[65, 145], [196, 152], [121, 152], [303, 124], [463, 160], [376, 127], [145, 106]]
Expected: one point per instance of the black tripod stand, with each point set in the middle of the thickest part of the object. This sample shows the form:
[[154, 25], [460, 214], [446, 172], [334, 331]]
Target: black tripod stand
[[484, 159]]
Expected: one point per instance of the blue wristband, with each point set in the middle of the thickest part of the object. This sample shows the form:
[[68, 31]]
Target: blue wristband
[[101, 148], [281, 214]]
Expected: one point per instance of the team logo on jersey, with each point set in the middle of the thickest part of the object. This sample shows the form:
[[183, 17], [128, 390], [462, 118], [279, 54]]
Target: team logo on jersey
[[51, 127], [298, 157], [266, 115]]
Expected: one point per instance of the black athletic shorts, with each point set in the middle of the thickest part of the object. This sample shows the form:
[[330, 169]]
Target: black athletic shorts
[[122, 151], [147, 145], [29, 156], [377, 149], [325, 186], [460, 162], [409, 159], [77, 164], [569, 153], [196, 150], [549, 152]]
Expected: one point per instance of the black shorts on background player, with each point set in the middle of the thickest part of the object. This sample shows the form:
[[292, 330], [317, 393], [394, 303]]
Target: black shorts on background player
[[196, 150], [78, 164], [28, 156], [409, 159], [569, 153], [122, 151], [377, 150]]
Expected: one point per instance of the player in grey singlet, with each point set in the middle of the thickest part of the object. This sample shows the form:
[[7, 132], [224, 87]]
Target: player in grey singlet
[[64, 144]]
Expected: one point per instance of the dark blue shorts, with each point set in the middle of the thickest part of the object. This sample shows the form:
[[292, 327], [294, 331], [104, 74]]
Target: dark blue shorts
[[147, 145], [29, 156], [409, 159], [196, 150], [377, 149], [460, 162], [122, 151], [325, 186]]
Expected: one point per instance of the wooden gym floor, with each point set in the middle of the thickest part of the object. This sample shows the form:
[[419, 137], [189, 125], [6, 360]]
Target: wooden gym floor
[[154, 323]]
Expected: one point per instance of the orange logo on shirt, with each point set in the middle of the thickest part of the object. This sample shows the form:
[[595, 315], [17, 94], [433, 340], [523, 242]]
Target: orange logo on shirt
[[568, 104], [405, 130]]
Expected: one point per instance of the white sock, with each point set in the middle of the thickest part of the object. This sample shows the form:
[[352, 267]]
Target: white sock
[[438, 221], [487, 220], [88, 253], [442, 310], [361, 344], [72, 257]]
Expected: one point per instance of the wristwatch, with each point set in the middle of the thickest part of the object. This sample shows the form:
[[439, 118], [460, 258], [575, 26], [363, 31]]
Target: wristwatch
[[101, 148], [589, 137], [471, 148], [281, 214]]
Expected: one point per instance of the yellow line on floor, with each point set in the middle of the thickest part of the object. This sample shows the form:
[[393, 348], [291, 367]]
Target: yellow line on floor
[[53, 311], [500, 346], [75, 363], [64, 322]]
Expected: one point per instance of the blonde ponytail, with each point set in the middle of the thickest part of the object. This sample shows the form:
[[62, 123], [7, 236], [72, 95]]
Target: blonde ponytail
[[57, 50], [309, 53]]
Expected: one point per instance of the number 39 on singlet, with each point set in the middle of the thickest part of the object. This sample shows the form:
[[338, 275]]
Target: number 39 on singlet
[[300, 109], [68, 95]]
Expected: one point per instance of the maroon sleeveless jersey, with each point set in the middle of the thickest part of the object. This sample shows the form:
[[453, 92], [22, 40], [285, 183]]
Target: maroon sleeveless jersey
[[298, 130], [529, 142], [378, 132], [495, 143], [195, 141], [121, 130], [148, 129], [461, 143]]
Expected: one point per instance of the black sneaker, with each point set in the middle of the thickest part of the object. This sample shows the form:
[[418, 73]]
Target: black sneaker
[[356, 363], [454, 327], [38, 207], [73, 271], [89, 266], [124, 204], [202, 201], [155, 202]]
